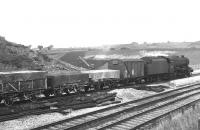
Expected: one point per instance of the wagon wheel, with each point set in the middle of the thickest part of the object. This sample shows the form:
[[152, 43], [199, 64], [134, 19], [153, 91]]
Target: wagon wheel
[[113, 84], [86, 88], [33, 98], [57, 93], [46, 94], [8, 101], [97, 87], [102, 86], [110, 84], [76, 88], [21, 96], [1, 99], [66, 91]]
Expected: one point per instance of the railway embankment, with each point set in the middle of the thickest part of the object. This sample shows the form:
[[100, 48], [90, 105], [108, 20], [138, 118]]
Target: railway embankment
[[182, 120]]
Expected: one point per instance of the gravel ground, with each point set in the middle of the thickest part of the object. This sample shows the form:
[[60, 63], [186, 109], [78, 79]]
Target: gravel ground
[[130, 94]]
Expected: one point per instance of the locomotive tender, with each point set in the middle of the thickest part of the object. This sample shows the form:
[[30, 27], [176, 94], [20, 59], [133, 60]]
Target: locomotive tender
[[110, 73]]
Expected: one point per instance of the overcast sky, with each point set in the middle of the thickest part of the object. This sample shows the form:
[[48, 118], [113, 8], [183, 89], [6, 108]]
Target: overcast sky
[[67, 23]]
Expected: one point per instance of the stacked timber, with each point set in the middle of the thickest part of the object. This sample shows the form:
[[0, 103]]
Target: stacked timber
[[19, 108], [73, 103], [89, 100]]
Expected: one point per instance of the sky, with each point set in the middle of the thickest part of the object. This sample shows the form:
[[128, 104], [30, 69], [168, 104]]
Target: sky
[[83, 23]]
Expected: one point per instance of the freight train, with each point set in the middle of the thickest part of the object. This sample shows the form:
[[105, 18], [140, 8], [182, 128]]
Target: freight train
[[20, 85]]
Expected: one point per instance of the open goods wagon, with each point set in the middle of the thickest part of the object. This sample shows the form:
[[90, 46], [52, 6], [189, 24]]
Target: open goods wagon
[[59, 82], [21, 84], [101, 78], [72, 82]]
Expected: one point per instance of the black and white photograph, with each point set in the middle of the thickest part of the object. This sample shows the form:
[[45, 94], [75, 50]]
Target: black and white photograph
[[100, 65]]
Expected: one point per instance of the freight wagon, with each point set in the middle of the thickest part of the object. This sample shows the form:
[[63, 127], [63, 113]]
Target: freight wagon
[[16, 85], [67, 82], [98, 79]]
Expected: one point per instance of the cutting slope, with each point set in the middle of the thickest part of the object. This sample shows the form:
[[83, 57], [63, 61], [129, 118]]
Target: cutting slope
[[19, 57]]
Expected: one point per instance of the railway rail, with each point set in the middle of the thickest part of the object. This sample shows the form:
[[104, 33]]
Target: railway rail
[[131, 114]]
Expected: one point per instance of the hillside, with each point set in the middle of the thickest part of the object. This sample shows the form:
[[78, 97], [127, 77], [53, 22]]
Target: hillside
[[19, 57]]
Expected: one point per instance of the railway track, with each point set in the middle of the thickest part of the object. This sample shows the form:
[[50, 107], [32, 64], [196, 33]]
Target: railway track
[[131, 114], [38, 112]]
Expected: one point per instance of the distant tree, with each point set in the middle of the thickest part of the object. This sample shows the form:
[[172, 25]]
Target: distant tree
[[50, 47], [40, 47]]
